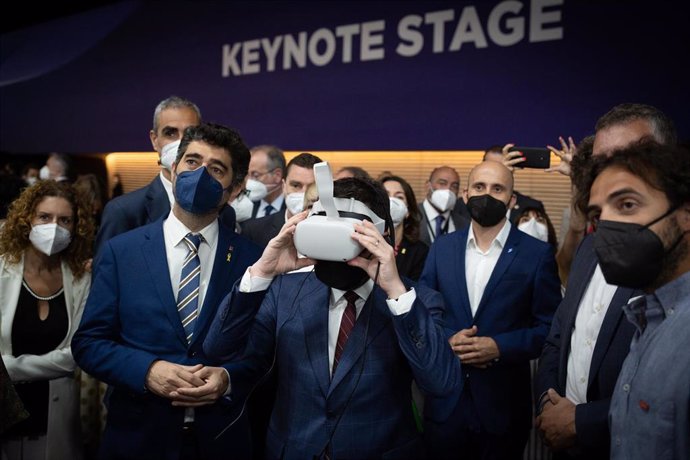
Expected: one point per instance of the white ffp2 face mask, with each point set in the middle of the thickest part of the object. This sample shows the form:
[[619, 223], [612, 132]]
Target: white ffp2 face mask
[[535, 229], [257, 190], [443, 199], [295, 202], [398, 210], [44, 173], [169, 154], [49, 238], [243, 207]]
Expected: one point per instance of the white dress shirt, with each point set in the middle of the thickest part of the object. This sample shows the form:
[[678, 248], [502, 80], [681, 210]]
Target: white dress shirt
[[431, 214], [277, 204], [167, 186], [176, 251], [479, 264], [337, 304], [590, 316]]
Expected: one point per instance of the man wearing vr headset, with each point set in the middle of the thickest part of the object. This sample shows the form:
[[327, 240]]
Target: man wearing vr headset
[[501, 289], [348, 337]]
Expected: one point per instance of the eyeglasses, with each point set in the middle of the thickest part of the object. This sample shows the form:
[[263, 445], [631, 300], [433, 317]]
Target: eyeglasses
[[256, 175]]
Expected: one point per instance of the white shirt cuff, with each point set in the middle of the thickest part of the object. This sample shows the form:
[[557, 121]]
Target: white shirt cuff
[[402, 304], [251, 283]]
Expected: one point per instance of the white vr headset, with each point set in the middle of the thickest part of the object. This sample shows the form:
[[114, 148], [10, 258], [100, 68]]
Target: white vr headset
[[326, 233]]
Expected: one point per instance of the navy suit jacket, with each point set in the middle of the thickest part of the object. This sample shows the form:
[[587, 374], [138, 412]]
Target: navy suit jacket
[[516, 311], [263, 229], [131, 320], [132, 210], [371, 387], [255, 209], [461, 222], [612, 346]]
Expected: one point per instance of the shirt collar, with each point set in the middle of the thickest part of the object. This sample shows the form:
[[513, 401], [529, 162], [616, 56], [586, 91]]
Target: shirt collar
[[176, 230], [167, 186], [499, 241], [431, 212], [674, 295], [363, 292]]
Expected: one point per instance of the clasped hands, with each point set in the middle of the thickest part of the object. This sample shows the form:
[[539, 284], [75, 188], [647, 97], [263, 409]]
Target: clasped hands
[[474, 350], [187, 386], [556, 422]]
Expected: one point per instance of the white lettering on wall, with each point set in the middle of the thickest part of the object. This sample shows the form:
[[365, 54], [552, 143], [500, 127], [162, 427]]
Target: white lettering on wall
[[443, 31]]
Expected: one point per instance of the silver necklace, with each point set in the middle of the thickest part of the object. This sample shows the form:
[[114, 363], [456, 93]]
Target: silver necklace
[[38, 297]]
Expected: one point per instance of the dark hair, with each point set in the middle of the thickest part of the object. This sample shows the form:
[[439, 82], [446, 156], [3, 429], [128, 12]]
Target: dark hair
[[369, 192], [580, 161], [662, 126], [275, 157], [411, 222], [663, 167], [303, 160], [553, 239], [356, 171], [221, 137]]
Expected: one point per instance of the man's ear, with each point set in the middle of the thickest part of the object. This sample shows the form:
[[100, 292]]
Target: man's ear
[[153, 137], [513, 200]]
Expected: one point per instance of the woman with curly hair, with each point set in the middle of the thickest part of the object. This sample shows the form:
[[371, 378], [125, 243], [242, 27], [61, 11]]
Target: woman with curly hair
[[410, 252], [45, 245]]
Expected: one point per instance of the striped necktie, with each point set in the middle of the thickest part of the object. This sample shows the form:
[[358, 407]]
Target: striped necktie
[[188, 291]]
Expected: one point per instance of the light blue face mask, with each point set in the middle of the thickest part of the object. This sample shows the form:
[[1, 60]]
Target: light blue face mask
[[198, 192]]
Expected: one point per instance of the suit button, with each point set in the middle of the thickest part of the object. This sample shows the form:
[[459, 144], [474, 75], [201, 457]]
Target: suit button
[[191, 353]]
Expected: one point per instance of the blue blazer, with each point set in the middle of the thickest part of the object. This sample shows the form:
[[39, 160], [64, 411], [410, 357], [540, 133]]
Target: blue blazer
[[131, 320], [370, 389], [612, 346], [516, 311], [132, 210]]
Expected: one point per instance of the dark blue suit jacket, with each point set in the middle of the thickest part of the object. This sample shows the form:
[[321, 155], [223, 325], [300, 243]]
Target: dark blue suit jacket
[[131, 320], [515, 310], [263, 229], [375, 378], [132, 210], [612, 346]]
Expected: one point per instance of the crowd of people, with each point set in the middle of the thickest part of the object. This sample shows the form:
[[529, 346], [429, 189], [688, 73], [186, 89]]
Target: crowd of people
[[461, 325]]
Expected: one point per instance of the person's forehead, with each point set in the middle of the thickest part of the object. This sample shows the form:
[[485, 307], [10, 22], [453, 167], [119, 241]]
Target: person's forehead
[[614, 179], [620, 135], [300, 173], [446, 174], [209, 151], [54, 204], [393, 186], [490, 173], [177, 115]]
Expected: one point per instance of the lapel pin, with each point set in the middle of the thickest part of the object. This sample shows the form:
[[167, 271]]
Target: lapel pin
[[510, 250], [229, 256]]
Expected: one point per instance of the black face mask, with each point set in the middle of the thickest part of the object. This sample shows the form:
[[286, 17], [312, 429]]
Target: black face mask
[[486, 210], [340, 275], [630, 255]]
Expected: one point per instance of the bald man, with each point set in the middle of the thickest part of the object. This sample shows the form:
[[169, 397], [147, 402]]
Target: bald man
[[501, 291]]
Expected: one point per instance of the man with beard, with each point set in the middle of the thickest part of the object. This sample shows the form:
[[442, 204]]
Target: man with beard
[[501, 289], [154, 294], [346, 340], [640, 197]]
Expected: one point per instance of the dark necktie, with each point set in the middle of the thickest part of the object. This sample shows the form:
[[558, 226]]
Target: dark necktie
[[439, 225], [188, 291], [268, 210], [346, 324]]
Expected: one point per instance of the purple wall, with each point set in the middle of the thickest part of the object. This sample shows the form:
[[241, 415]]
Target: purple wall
[[90, 83]]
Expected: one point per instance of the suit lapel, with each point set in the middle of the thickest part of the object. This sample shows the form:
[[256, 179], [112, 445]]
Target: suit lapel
[[461, 248], [355, 345], [157, 203], [614, 315], [313, 308], [506, 258], [153, 250]]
